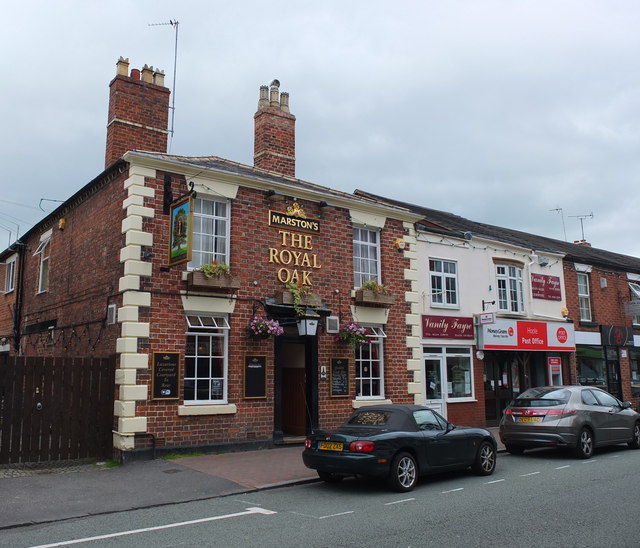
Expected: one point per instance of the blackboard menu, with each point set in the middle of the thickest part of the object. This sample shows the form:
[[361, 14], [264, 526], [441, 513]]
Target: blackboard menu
[[339, 377], [255, 377], [165, 379]]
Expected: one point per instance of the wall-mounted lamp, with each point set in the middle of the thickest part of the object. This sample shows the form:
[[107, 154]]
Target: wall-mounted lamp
[[480, 355], [62, 223], [308, 324]]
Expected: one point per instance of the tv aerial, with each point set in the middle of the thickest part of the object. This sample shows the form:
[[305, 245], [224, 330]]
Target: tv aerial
[[582, 218]]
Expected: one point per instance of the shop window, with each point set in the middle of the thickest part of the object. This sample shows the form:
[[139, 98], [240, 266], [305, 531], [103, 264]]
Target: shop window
[[591, 366], [634, 360], [366, 256], [370, 365], [10, 275], [444, 283], [206, 359], [635, 296], [43, 276], [456, 372], [584, 297], [510, 288], [210, 237]]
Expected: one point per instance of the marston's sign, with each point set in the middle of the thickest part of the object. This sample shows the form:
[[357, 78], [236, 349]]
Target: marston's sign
[[447, 327], [526, 335], [546, 287]]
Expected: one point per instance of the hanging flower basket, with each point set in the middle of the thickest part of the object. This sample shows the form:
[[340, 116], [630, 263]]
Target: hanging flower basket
[[352, 333], [262, 328]]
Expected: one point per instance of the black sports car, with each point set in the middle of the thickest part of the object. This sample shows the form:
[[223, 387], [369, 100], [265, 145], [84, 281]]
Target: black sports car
[[399, 443]]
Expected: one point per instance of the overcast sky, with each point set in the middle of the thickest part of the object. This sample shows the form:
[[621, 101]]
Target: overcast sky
[[499, 111]]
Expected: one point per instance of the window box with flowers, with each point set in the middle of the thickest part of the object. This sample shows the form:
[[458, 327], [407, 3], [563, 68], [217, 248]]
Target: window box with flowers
[[352, 333], [213, 276], [263, 328], [374, 294], [298, 296]]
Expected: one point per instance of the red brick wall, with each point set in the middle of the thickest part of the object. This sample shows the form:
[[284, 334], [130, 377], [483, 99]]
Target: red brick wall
[[84, 269], [251, 238], [607, 308], [274, 146], [144, 108]]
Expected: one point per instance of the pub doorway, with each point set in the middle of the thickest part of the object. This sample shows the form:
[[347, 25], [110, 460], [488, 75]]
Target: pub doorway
[[296, 387]]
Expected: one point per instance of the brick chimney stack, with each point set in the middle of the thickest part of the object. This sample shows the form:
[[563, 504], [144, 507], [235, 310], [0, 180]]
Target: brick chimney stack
[[274, 146], [138, 111]]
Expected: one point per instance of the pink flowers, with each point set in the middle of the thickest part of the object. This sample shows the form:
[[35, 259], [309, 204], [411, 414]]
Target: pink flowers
[[262, 327], [352, 333]]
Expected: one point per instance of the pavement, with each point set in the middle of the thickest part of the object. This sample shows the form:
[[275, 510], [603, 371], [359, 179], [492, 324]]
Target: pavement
[[32, 494]]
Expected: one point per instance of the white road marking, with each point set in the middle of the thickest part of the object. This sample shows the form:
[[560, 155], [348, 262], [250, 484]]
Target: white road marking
[[336, 515], [588, 461], [494, 481], [399, 501], [563, 467], [452, 490], [531, 474], [248, 512]]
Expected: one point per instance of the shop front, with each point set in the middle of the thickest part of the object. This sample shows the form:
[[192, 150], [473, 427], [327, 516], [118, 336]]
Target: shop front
[[520, 354]]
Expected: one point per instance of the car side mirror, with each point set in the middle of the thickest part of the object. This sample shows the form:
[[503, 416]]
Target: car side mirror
[[450, 427], [625, 405]]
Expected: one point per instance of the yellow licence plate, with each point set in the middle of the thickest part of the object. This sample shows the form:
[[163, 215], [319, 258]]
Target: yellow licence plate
[[330, 446], [529, 419]]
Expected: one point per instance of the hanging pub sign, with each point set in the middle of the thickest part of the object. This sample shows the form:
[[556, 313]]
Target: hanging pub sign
[[616, 335], [165, 378], [339, 380], [255, 377], [546, 287], [180, 228]]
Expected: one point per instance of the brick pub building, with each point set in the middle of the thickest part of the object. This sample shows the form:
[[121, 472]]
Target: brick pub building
[[115, 272]]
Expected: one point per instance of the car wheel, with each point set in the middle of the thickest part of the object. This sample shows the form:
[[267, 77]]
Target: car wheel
[[584, 449], [514, 449], [404, 473], [329, 477], [485, 462], [635, 442]]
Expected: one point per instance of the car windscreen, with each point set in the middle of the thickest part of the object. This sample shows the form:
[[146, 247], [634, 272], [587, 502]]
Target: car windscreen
[[542, 397]]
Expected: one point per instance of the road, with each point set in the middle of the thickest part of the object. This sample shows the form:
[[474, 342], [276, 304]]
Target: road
[[540, 499]]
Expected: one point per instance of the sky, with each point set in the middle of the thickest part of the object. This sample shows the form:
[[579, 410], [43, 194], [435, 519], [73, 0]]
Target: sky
[[522, 114]]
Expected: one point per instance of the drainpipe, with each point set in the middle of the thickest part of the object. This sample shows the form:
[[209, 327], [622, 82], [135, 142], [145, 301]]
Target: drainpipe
[[17, 312]]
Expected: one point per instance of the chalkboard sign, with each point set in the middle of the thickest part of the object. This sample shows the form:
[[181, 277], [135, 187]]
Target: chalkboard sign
[[165, 378], [339, 377], [255, 377]]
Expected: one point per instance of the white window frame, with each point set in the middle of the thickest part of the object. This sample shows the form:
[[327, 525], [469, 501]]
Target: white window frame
[[213, 327], [44, 271], [366, 256], [206, 244], [375, 336], [442, 353], [584, 298], [440, 296], [10, 275], [635, 294], [510, 285]]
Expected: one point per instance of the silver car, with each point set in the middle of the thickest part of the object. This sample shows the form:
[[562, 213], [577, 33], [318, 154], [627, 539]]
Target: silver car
[[577, 417]]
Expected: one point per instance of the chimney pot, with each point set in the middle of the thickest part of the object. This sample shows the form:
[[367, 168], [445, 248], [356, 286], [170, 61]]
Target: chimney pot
[[122, 66], [135, 74], [147, 74], [284, 101], [158, 78]]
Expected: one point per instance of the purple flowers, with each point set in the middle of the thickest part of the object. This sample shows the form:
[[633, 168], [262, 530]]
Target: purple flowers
[[262, 327], [352, 333]]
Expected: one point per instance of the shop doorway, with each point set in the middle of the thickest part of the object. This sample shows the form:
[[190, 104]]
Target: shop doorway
[[296, 387], [501, 379], [433, 373]]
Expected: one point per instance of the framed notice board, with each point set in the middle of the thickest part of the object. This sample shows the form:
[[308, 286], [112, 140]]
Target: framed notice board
[[165, 376], [255, 377], [339, 377]]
